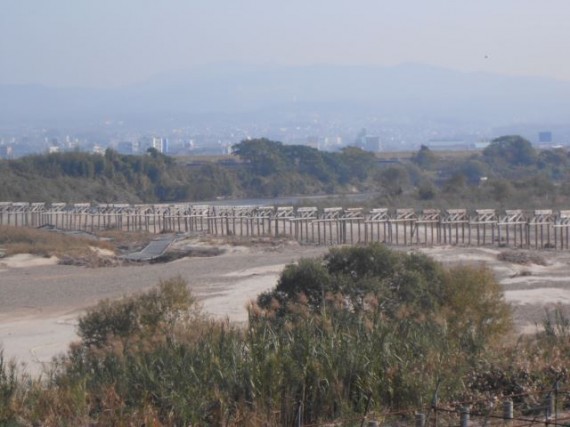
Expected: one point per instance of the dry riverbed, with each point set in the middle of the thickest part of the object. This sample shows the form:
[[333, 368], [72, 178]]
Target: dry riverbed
[[40, 299]]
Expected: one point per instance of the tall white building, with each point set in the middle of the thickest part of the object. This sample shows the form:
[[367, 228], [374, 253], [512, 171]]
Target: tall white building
[[160, 144]]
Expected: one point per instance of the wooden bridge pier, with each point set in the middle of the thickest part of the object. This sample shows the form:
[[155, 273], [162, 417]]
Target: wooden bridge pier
[[454, 219], [347, 220], [516, 220], [428, 219], [562, 226], [540, 225], [407, 218], [377, 219], [483, 220], [329, 220], [305, 217], [540, 229], [282, 218]]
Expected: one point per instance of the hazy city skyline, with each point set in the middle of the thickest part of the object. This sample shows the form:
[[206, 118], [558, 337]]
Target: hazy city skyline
[[112, 43]]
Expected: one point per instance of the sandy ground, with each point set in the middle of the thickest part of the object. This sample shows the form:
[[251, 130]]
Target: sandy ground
[[40, 301]]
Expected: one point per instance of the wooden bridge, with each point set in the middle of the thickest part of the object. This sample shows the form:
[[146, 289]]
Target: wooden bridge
[[539, 229]]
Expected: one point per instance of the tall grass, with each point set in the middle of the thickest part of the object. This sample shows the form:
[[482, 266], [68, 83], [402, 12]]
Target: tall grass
[[18, 240], [155, 359]]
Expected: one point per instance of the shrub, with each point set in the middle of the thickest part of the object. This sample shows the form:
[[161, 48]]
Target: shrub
[[8, 387], [142, 314]]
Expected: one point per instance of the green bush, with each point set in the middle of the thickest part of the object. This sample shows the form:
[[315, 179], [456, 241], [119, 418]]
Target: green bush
[[148, 313]]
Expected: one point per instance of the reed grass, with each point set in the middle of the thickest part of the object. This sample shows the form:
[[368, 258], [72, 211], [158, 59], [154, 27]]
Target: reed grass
[[154, 358]]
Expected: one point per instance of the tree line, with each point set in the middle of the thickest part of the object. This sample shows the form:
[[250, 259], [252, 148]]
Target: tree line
[[510, 172]]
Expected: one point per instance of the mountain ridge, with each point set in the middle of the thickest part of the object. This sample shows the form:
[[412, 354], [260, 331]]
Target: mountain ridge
[[413, 90]]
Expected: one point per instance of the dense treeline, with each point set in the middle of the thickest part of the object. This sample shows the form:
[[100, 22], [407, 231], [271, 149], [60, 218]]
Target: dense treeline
[[269, 169], [112, 177], [508, 173], [274, 169]]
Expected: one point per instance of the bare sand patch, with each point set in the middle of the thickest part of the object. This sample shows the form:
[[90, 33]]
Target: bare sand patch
[[102, 252], [232, 303], [34, 341], [541, 296], [267, 270], [530, 280], [26, 261]]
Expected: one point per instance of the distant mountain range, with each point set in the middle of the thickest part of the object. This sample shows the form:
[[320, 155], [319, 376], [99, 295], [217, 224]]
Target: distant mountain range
[[410, 90]]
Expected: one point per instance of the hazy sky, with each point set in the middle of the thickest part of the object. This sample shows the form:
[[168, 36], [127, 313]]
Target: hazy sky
[[115, 42]]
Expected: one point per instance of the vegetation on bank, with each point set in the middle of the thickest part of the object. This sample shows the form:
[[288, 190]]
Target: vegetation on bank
[[84, 249], [363, 329], [267, 169], [510, 172], [24, 240]]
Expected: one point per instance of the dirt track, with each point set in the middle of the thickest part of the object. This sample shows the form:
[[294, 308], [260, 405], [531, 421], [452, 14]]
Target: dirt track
[[40, 303]]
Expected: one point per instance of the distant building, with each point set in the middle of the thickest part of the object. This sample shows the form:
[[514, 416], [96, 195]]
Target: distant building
[[447, 145], [481, 145], [6, 152], [371, 143], [144, 144], [160, 144], [545, 137], [98, 149], [368, 142], [125, 147], [332, 142]]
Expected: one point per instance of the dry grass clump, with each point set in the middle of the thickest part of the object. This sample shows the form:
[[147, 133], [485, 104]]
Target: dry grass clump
[[521, 257], [19, 240], [92, 260]]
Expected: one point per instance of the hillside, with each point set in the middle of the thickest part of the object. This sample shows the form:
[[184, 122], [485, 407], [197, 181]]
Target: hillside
[[413, 91]]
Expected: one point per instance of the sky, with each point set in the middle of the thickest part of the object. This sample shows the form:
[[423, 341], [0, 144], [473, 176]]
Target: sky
[[109, 43]]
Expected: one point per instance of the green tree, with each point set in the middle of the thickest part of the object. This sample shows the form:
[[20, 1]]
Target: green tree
[[474, 307], [393, 180], [513, 150], [264, 157], [143, 314], [359, 163], [425, 158], [455, 184], [410, 282], [473, 170]]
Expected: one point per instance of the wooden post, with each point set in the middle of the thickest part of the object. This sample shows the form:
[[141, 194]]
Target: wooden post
[[464, 417], [550, 407], [420, 419], [508, 411]]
